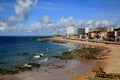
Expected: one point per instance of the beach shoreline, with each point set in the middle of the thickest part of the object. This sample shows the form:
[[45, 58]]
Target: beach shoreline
[[111, 62]]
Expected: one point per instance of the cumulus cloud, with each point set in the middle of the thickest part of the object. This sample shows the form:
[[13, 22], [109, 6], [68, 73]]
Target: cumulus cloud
[[90, 22], [81, 23], [2, 28], [67, 21], [105, 23], [47, 25], [46, 19], [3, 24], [34, 27], [97, 23], [22, 10]]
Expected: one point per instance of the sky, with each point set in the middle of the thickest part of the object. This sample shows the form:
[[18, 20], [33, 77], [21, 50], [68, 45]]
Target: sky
[[46, 17]]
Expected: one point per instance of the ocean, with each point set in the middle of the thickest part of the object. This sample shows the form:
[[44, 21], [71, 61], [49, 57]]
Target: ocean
[[18, 50]]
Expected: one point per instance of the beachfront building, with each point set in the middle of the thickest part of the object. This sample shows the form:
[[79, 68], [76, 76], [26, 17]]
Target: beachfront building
[[117, 35], [98, 33], [70, 32], [94, 34], [110, 35], [82, 32], [103, 35]]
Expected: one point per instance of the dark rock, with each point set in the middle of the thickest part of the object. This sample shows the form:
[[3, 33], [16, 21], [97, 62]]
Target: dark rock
[[19, 69], [5, 71], [34, 65], [23, 54], [23, 68]]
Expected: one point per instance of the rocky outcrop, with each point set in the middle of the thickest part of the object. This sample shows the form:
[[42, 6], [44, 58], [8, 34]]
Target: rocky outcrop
[[27, 67]]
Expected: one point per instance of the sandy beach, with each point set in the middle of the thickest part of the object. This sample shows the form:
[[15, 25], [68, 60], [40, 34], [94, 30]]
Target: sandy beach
[[111, 63]]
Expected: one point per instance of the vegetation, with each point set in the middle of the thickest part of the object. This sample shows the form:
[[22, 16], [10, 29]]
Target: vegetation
[[84, 53], [102, 75], [66, 55], [97, 36], [100, 71]]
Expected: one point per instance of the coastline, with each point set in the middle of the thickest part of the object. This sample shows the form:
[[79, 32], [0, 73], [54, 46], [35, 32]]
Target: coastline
[[111, 62]]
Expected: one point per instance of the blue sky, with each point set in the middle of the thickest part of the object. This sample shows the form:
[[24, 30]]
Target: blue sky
[[45, 17]]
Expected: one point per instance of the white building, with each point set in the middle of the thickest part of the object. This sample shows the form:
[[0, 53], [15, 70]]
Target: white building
[[70, 31]]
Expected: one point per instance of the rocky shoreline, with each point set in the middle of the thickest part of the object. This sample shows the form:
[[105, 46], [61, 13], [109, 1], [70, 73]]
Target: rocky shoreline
[[50, 40], [27, 67], [83, 53]]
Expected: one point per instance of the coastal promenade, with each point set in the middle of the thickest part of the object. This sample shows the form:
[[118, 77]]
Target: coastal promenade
[[111, 61]]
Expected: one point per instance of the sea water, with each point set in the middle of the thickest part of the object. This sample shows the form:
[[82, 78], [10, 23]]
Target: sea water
[[18, 50]]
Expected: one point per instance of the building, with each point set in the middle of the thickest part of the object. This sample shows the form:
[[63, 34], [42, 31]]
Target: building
[[70, 32], [94, 34], [117, 34], [110, 35], [82, 32], [102, 33]]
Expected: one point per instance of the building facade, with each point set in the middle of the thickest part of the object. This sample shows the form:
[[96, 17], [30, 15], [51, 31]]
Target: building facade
[[82, 32], [110, 35], [102, 33], [70, 32], [117, 35], [94, 34]]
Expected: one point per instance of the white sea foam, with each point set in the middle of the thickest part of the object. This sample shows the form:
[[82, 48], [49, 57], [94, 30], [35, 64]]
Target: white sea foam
[[43, 60]]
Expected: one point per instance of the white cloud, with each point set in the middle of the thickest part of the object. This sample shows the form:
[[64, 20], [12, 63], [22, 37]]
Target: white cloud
[[97, 23], [90, 22], [22, 10], [2, 28], [47, 25], [3, 24], [46, 19], [105, 23], [81, 23], [34, 27], [65, 22], [69, 20], [14, 19]]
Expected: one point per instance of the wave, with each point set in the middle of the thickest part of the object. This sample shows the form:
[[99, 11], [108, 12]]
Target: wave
[[43, 60]]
